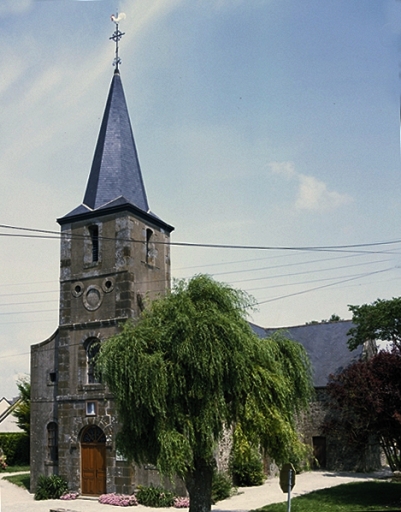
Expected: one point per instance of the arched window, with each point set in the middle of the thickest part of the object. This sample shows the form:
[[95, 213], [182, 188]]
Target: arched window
[[92, 347], [52, 441], [93, 434]]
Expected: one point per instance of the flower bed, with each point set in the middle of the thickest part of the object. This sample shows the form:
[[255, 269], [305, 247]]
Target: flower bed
[[3, 464], [126, 500], [181, 502], [119, 500], [70, 495]]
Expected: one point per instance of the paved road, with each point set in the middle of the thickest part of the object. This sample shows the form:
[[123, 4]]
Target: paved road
[[16, 499]]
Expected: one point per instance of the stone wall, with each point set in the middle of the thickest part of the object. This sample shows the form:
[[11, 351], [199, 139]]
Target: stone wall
[[100, 288], [44, 374], [338, 456]]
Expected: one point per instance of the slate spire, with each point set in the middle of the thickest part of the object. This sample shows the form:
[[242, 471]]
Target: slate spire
[[115, 172]]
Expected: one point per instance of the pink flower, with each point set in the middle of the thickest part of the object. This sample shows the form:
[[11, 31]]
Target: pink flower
[[119, 500], [182, 502], [71, 495]]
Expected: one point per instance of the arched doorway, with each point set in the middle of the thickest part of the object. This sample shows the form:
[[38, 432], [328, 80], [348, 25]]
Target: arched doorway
[[93, 461]]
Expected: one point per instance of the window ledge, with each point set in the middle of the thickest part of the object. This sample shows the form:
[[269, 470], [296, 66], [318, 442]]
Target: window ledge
[[95, 386], [51, 462]]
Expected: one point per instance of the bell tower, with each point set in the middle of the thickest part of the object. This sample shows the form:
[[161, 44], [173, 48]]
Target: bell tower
[[115, 252], [115, 256]]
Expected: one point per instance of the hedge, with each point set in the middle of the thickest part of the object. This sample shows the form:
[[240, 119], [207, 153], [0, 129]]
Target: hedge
[[16, 448]]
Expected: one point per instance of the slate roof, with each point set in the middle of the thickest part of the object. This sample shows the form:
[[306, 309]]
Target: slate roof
[[115, 168], [8, 422], [115, 180], [325, 343]]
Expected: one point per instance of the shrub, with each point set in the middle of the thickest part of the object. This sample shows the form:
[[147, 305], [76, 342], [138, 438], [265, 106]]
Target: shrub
[[15, 447], [50, 487], [246, 466], [154, 496], [221, 486], [248, 472], [120, 500]]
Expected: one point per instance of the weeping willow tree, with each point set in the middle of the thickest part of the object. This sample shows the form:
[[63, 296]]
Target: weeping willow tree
[[190, 368]]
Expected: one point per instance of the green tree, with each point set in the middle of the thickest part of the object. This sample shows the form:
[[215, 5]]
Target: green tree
[[23, 409], [190, 368], [333, 318], [380, 320]]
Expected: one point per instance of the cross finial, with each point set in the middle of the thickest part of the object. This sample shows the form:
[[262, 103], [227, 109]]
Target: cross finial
[[117, 35]]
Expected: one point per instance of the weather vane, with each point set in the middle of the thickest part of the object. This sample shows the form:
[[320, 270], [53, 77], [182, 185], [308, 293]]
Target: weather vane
[[117, 35]]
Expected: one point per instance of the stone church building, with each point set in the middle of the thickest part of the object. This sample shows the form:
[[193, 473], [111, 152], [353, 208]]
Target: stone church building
[[115, 255]]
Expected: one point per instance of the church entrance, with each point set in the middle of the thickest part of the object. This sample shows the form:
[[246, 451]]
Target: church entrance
[[93, 461]]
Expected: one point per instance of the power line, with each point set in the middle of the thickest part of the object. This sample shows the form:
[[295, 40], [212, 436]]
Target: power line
[[26, 303], [16, 355], [352, 278], [324, 286], [330, 248], [296, 263], [28, 293], [259, 278], [233, 272], [299, 273], [284, 285], [30, 312], [343, 279]]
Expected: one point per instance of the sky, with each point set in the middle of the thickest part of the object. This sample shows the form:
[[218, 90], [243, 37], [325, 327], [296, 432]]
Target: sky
[[269, 127]]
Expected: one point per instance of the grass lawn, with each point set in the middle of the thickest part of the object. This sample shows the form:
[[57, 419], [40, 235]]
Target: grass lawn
[[20, 480], [378, 496], [14, 469]]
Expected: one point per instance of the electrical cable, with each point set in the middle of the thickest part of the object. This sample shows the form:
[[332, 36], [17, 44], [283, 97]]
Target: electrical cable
[[336, 248], [324, 286]]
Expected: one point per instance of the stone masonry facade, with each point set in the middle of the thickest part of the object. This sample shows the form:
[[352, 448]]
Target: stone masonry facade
[[98, 292]]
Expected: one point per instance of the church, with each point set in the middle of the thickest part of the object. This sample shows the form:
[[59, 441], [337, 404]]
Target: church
[[114, 256]]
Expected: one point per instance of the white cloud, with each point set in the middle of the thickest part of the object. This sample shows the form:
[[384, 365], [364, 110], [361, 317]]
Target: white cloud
[[286, 169], [145, 13], [14, 71], [313, 194], [8, 7]]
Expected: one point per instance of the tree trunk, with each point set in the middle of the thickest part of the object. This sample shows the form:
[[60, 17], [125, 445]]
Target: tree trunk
[[199, 486], [392, 452]]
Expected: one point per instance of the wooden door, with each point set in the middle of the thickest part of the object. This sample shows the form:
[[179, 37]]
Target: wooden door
[[93, 462]]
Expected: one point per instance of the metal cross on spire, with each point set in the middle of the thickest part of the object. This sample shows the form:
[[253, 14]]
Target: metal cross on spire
[[117, 35]]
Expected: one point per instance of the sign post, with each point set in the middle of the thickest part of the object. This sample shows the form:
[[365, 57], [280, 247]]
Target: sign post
[[289, 491], [287, 482]]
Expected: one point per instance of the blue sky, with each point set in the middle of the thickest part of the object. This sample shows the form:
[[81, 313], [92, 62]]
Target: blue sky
[[271, 123]]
